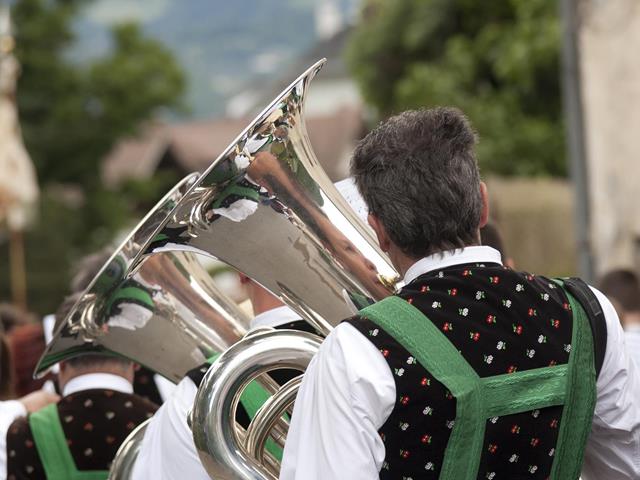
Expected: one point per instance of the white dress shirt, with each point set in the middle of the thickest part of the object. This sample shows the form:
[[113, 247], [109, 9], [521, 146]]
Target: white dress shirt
[[348, 392], [167, 451]]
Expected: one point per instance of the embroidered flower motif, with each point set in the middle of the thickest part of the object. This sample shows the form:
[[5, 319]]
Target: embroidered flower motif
[[534, 442], [450, 424], [542, 339], [463, 312], [517, 329], [453, 292], [519, 287], [554, 423], [490, 475], [467, 273], [447, 327], [425, 382], [436, 305], [514, 458], [404, 400], [515, 429], [405, 454], [494, 420], [501, 345], [567, 348], [403, 426], [512, 369], [424, 288], [480, 295], [427, 411], [552, 452], [494, 280], [551, 285], [491, 319], [440, 274], [475, 336], [429, 466], [384, 352], [488, 359], [426, 439], [535, 413], [492, 448], [532, 312], [555, 323], [399, 371], [506, 303], [411, 360], [374, 332], [531, 352], [533, 468], [544, 296]]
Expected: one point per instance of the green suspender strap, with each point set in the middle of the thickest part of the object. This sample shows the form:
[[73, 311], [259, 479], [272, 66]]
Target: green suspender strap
[[54, 453], [478, 399], [252, 398]]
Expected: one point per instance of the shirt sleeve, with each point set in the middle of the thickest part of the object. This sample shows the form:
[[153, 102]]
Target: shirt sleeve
[[168, 451], [9, 411], [347, 394], [613, 447]]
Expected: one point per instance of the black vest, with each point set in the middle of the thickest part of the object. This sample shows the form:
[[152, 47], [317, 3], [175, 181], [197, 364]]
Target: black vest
[[501, 321]]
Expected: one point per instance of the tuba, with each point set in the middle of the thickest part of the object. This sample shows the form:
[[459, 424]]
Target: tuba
[[133, 314], [266, 207]]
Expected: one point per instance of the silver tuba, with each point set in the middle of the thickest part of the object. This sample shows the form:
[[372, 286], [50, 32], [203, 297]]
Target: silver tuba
[[267, 208], [168, 315]]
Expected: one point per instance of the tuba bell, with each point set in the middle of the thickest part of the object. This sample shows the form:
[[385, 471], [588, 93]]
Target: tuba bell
[[168, 315], [266, 207]]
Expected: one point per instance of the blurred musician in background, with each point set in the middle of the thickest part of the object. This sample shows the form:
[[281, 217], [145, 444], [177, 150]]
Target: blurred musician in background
[[467, 372], [83, 431]]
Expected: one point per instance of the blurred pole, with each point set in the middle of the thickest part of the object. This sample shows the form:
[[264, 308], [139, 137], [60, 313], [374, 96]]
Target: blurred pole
[[18, 270], [577, 150]]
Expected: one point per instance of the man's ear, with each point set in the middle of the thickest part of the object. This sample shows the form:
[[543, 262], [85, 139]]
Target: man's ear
[[381, 232], [484, 213]]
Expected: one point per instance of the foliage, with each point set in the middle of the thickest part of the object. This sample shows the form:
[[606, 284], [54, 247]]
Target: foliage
[[497, 61], [71, 116]]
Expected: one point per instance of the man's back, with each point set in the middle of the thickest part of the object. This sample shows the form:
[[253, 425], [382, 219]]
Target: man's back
[[385, 413], [94, 422]]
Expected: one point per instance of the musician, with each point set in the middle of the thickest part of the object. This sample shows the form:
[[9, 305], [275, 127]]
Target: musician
[[472, 370], [83, 431], [167, 451]]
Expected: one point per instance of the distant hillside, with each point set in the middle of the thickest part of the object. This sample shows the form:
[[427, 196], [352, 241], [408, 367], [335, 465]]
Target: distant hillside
[[223, 45]]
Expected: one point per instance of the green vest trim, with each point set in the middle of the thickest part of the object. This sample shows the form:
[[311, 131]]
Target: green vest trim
[[252, 398], [478, 399], [54, 453]]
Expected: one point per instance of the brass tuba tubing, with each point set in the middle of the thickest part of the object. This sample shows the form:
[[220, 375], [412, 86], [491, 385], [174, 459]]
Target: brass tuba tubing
[[268, 416], [214, 406]]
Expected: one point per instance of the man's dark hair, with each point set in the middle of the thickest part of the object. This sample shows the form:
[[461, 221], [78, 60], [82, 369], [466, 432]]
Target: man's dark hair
[[622, 285], [418, 174]]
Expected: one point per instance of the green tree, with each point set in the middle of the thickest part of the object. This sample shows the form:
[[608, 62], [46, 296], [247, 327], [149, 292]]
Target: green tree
[[71, 116], [498, 61]]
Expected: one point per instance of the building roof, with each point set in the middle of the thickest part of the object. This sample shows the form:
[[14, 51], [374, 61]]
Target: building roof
[[194, 145]]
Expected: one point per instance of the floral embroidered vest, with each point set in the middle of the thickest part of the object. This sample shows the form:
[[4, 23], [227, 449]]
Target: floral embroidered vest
[[502, 323]]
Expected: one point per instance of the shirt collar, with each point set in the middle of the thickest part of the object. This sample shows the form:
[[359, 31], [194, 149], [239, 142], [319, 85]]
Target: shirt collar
[[102, 381], [437, 261], [275, 317]]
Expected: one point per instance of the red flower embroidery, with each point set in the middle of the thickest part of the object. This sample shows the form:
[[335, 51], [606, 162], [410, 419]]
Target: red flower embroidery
[[426, 439], [493, 448]]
